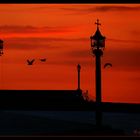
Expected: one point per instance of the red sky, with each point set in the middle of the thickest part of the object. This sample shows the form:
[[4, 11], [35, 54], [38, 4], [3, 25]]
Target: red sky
[[60, 33]]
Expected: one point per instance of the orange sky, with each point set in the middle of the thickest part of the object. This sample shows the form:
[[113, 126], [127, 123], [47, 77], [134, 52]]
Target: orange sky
[[60, 33]]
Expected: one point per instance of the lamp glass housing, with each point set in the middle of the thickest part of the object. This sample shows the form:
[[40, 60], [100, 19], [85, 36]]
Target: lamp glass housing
[[97, 43]]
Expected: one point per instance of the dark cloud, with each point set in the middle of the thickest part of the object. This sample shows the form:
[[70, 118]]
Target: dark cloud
[[135, 32], [37, 42], [103, 9], [115, 8], [53, 39], [75, 8], [122, 41], [79, 53], [28, 43], [135, 78], [17, 29], [71, 62], [123, 58], [27, 8], [32, 29], [52, 43]]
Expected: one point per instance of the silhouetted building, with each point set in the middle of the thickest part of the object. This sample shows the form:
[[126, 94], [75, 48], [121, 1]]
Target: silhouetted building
[[41, 99]]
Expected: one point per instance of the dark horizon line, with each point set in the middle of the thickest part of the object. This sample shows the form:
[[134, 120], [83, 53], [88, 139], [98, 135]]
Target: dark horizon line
[[37, 90]]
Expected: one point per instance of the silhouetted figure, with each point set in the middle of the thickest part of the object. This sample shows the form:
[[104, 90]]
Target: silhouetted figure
[[107, 64], [30, 62], [43, 59]]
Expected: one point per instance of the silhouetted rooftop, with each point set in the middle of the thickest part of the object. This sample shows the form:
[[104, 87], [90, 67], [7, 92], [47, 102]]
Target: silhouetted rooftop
[[57, 100]]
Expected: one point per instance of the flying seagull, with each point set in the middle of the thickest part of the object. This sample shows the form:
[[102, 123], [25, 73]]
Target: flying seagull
[[107, 64], [43, 59], [30, 62]]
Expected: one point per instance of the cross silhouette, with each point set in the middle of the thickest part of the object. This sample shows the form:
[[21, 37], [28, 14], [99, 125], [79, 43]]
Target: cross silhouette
[[97, 23]]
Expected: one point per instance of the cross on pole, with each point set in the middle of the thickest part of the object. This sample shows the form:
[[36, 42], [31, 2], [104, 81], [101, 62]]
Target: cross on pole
[[97, 23]]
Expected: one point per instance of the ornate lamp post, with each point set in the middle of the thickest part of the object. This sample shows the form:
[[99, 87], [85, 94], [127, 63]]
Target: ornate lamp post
[[1, 47], [97, 46]]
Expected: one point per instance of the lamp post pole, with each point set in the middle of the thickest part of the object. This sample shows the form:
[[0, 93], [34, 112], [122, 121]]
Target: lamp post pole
[[78, 68], [98, 76], [1, 53], [98, 88], [97, 45]]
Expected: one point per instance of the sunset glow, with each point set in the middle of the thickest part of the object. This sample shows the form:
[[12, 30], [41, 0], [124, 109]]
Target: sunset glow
[[61, 34]]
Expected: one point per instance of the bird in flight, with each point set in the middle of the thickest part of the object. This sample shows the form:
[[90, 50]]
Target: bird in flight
[[107, 64], [30, 62], [43, 59]]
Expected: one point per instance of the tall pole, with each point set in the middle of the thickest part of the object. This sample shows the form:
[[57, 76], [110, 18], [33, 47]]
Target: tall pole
[[98, 76], [98, 45], [1, 53], [98, 88], [78, 68]]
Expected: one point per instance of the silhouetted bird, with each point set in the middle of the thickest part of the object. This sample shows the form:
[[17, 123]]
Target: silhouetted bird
[[30, 62], [107, 64], [43, 59]]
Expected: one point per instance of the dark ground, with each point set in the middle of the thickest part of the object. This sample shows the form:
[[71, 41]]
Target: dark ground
[[12, 124]]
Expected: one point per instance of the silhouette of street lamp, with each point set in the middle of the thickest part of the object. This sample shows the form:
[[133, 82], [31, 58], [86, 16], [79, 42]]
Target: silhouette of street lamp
[[1, 47], [78, 69], [97, 47]]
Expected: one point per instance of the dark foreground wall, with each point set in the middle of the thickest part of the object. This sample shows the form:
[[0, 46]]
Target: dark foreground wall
[[41, 99], [57, 100]]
